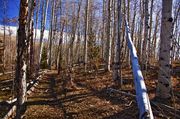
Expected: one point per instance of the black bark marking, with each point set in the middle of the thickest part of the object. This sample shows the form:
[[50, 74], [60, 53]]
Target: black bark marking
[[171, 48], [167, 65], [161, 58], [164, 50], [166, 85], [170, 19]]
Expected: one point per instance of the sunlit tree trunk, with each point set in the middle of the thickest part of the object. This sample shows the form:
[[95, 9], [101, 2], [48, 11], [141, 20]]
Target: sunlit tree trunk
[[51, 33], [43, 24], [30, 36], [21, 62], [164, 86], [37, 17], [108, 42]]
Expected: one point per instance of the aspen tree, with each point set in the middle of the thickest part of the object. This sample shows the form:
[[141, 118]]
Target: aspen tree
[[146, 27], [108, 42], [116, 73], [21, 62], [43, 24], [164, 86], [86, 35]]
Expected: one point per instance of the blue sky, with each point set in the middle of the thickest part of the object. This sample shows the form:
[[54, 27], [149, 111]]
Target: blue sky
[[12, 8]]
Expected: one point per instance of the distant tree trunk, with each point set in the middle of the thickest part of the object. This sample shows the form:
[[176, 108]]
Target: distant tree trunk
[[60, 48], [37, 17], [103, 30], [54, 37], [134, 18], [154, 40], [150, 32], [128, 18], [164, 86], [146, 27], [43, 24], [139, 51], [3, 49], [51, 34], [74, 29], [86, 35], [78, 47], [21, 62], [30, 35], [176, 40], [108, 42], [116, 73]]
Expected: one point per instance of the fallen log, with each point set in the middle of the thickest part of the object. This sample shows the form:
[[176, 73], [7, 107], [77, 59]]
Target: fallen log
[[142, 97], [163, 106], [13, 109]]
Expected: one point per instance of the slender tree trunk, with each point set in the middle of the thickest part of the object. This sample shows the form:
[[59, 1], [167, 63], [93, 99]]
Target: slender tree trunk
[[60, 48], [51, 34], [134, 18], [37, 17], [74, 33], [155, 35], [86, 35], [140, 31], [21, 62], [144, 48], [116, 73], [43, 24], [164, 86], [30, 35], [108, 42], [150, 32], [103, 30]]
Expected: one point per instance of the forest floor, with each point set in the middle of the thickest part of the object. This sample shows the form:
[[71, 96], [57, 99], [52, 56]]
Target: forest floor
[[91, 97]]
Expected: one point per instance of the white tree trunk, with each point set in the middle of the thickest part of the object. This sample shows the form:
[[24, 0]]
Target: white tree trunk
[[164, 77], [108, 41], [51, 33], [43, 24]]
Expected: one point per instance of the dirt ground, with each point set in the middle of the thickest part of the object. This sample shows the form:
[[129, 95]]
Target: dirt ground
[[89, 98]]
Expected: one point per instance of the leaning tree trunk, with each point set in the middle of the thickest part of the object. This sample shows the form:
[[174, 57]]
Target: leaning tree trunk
[[21, 62], [164, 77]]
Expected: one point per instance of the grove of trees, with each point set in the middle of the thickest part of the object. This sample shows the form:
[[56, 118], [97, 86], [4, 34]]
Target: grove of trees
[[92, 33]]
